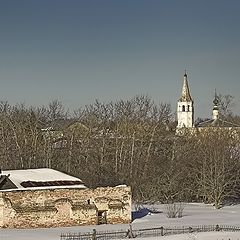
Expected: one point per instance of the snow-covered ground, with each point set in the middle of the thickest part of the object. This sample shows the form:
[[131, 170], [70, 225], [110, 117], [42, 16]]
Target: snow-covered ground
[[193, 214], [199, 236]]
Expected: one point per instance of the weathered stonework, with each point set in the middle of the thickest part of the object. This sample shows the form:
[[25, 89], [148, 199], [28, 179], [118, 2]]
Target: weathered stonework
[[64, 207]]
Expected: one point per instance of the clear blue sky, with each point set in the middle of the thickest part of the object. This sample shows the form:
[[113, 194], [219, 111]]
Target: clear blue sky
[[80, 50]]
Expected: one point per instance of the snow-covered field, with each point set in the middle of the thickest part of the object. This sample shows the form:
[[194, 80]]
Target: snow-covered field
[[193, 214], [199, 236]]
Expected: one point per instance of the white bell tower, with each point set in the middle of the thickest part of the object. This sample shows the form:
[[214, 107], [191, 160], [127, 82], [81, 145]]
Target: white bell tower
[[185, 109]]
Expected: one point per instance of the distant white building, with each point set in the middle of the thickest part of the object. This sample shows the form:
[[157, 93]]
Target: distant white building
[[185, 112]]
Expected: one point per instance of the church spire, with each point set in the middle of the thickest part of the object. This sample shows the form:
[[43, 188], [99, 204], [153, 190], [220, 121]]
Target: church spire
[[186, 97]]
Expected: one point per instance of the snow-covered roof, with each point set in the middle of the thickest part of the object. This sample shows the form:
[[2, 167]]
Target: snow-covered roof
[[42, 178], [217, 123]]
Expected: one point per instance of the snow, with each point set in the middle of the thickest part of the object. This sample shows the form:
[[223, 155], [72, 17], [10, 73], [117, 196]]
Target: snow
[[193, 214], [39, 175], [199, 236]]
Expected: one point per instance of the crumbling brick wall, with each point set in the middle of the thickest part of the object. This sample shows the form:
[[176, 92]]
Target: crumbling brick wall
[[64, 207]]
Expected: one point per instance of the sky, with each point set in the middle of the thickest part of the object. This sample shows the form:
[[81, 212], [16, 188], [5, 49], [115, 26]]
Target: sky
[[77, 51]]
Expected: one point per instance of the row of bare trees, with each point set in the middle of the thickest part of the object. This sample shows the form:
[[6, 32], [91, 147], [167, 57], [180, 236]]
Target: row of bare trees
[[128, 141]]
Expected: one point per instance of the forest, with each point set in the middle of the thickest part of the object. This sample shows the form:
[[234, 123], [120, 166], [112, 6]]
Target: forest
[[131, 142]]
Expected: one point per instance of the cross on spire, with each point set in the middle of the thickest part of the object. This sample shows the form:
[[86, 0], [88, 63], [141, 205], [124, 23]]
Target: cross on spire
[[185, 72]]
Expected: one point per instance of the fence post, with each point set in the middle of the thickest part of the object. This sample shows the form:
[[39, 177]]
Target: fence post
[[161, 231], [94, 235], [130, 231]]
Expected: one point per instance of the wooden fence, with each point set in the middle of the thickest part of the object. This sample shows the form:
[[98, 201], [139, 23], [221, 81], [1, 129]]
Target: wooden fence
[[147, 232]]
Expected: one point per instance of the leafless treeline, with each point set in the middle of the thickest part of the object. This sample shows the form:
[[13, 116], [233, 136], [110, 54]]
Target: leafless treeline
[[129, 141]]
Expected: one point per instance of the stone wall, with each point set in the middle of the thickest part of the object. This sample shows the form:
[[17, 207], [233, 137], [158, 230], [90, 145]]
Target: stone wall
[[64, 207]]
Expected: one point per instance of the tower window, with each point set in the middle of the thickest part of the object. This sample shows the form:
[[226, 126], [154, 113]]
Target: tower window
[[183, 108], [188, 108]]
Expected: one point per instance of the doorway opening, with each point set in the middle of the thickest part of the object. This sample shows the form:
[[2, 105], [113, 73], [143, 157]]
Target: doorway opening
[[102, 217]]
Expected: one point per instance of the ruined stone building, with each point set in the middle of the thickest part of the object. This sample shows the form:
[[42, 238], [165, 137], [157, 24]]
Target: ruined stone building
[[49, 198]]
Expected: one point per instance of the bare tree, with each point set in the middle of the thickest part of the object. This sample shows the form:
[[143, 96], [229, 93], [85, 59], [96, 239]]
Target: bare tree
[[56, 110], [214, 166], [226, 102]]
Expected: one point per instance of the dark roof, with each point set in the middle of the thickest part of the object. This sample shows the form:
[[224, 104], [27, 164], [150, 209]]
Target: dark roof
[[50, 183], [60, 124], [6, 183]]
